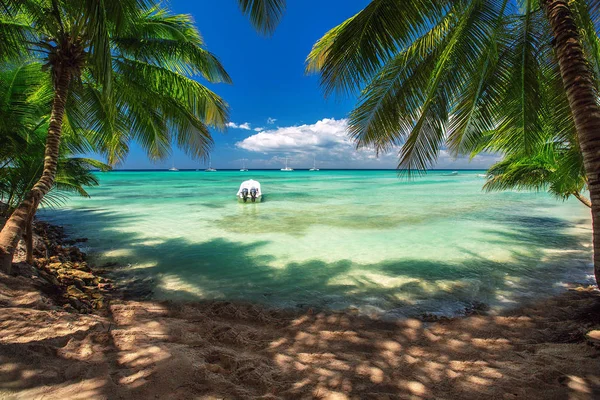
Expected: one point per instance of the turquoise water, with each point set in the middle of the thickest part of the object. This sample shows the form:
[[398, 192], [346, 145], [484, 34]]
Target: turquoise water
[[334, 239]]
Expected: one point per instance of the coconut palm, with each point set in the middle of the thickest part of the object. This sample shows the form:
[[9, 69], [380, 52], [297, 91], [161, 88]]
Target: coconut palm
[[435, 73], [122, 69], [73, 175], [556, 168], [24, 105]]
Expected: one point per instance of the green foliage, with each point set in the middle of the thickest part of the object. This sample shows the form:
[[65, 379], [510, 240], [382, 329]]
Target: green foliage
[[263, 14], [73, 175], [133, 65], [25, 96], [134, 79], [556, 168], [466, 75]]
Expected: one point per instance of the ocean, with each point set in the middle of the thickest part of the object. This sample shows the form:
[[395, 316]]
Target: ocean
[[371, 241]]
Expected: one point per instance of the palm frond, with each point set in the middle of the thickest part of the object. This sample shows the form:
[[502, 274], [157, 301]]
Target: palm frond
[[264, 15], [353, 52]]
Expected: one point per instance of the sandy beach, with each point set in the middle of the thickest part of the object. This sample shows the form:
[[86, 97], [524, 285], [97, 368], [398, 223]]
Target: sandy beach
[[276, 199], [140, 349]]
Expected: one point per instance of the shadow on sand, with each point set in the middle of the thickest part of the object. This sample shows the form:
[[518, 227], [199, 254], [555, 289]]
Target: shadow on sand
[[172, 350]]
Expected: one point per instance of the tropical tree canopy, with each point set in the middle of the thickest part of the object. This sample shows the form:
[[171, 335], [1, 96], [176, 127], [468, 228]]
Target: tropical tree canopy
[[516, 76], [120, 70], [469, 75], [135, 75], [25, 104]]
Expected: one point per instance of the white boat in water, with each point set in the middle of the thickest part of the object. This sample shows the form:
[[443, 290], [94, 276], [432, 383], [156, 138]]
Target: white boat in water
[[244, 169], [210, 168], [173, 169], [250, 192], [453, 173], [314, 168], [286, 169]]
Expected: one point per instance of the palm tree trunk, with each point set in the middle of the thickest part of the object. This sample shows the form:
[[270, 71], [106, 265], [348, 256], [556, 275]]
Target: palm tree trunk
[[579, 85], [17, 223], [29, 235], [583, 199], [29, 240]]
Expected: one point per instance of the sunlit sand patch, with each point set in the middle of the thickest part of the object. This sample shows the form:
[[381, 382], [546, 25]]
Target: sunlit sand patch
[[374, 278], [82, 390], [123, 253], [175, 284], [151, 242], [143, 357], [141, 266]]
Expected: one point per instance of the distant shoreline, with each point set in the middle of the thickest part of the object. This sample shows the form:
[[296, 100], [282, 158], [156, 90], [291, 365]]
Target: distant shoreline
[[278, 169]]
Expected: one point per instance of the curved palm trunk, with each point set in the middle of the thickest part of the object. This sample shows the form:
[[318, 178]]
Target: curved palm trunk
[[579, 85], [17, 223], [584, 200], [29, 235], [29, 240]]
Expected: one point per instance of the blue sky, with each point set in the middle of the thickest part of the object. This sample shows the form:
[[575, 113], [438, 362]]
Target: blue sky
[[276, 110]]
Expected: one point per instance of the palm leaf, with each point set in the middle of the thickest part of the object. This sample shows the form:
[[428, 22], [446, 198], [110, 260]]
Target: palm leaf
[[264, 15]]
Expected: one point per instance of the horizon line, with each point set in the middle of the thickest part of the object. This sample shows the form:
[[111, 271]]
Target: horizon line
[[279, 169]]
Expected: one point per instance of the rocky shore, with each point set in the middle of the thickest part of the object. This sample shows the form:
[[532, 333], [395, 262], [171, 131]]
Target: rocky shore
[[60, 267]]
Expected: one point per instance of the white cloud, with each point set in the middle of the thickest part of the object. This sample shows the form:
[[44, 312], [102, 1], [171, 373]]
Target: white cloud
[[327, 140], [324, 134], [245, 126], [259, 129], [271, 121]]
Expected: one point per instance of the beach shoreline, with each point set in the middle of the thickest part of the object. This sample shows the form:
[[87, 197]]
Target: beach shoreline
[[141, 348]]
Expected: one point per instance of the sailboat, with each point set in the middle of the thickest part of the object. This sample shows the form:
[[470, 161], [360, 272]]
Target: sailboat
[[244, 169], [210, 168], [287, 169], [314, 168], [173, 168]]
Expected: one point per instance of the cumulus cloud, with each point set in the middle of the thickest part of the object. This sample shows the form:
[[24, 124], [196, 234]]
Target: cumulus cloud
[[259, 129], [271, 121], [245, 126], [324, 134], [327, 141]]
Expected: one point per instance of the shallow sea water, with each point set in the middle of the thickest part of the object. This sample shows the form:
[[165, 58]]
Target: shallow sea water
[[369, 240]]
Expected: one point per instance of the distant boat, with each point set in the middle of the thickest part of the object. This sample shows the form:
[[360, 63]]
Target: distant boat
[[173, 168], [286, 169], [210, 168], [453, 173], [314, 168], [244, 169]]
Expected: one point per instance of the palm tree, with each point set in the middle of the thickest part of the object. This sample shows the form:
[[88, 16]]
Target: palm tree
[[434, 73], [120, 69], [123, 69], [555, 168], [72, 176], [24, 105]]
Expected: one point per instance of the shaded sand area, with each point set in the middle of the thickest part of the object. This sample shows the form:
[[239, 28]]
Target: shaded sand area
[[214, 350]]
